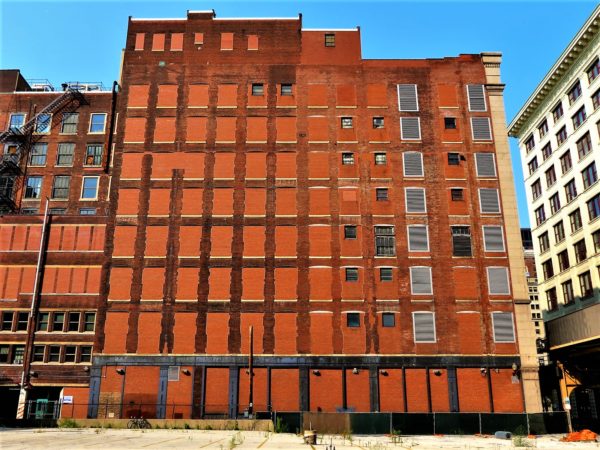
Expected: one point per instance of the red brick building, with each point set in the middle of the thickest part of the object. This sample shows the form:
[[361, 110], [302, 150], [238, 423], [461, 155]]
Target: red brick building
[[358, 214], [54, 145]]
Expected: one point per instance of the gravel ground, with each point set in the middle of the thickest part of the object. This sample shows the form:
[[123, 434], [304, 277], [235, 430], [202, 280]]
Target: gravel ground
[[228, 440]]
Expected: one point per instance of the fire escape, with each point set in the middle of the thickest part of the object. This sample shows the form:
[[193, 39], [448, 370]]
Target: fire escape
[[18, 140]]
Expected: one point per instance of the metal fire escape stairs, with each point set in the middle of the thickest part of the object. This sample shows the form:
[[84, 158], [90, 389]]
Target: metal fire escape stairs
[[18, 142]]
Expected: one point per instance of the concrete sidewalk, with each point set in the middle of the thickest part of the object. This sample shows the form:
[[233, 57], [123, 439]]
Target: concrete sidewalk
[[113, 439]]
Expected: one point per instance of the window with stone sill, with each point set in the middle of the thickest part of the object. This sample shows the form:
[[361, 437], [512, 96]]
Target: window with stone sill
[[574, 93], [566, 162], [547, 151], [589, 175], [579, 117], [575, 220], [550, 177], [594, 207], [544, 242], [557, 112], [529, 143], [580, 250], [596, 99], [543, 128], [561, 136], [548, 269], [536, 189], [532, 165], [594, 70], [584, 145], [563, 260], [551, 299], [568, 294], [554, 203], [540, 215], [570, 191], [596, 240], [585, 285]]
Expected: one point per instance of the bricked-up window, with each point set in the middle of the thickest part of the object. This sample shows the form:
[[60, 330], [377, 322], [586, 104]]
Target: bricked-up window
[[410, 128], [453, 159], [60, 187], [575, 220], [596, 240], [568, 293], [565, 162], [570, 190], [563, 260], [481, 130], [504, 330], [589, 175], [493, 238], [544, 242], [388, 320], [252, 42], [69, 123], [64, 154], [489, 201], [97, 123], [424, 327], [418, 238], [58, 321], [89, 188], [457, 194], [346, 122], [476, 97], [198, 38], [529, 143], [42, 323], [380, 159], [579, 117], [38, 353], [559, 232], [420, 281], [585, 285], [93, 155], [385, 274], [329, 40], [33, 187], [485, 165], [353, 320], [415, 200], [158, 42], [413, 164], [548, 269], [7, 320], [543, 128], [139, 41], [594, 207], [347, 158], [226, 41], [574, 93], [173, 373], [498, 281], [532, 165], [461, 241], [381, 194], [37, 155], [351, 274], [176, 42], [385, 241], [258, 89], [557, 112], [349, 231], [408, 98], [286, 89], [554, 203], [561, 136], [584, 145]]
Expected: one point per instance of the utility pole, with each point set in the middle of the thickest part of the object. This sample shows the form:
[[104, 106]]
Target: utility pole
[[251, 374]]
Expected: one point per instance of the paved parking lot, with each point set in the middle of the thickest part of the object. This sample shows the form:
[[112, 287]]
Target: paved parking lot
[[228, 440]]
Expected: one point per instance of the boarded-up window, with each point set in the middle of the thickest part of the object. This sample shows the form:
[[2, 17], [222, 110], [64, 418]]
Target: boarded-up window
[[415, 200], [407, 97], [139, 41], [493, 239], [252, 42], [498, 281], [226, 41], [480, 126], [158, 42], [413, 164], [198, 96], [489, 201], [176, 42], [476, 94], [410, 128], [420, 281], [424, 326], [484, 162], [417, 238], [504, 330]]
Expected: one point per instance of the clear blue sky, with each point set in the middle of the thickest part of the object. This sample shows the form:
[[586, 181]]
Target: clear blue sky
[[80, 40]]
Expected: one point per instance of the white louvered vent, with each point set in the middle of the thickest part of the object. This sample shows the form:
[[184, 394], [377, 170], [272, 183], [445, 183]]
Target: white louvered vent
[[420, 281], [173, 373], [480, 126], [498, 281], [485, 165], [417, 238], [407, 97], [424, 326], [504, 330], [476, 94], [493, 239], [413, 164], [410, 128], [415, 200], [489, 201]]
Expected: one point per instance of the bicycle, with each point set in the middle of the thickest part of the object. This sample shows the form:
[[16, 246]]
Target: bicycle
[[138, 423]]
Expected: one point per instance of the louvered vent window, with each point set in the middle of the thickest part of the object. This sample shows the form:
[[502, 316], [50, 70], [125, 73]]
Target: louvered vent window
[[407, 97], [476, 94], [424, 326], [481, 129], [420, 281], [415, 200], [485, 165], [489, 201], [413, 164], [461, 241], [410, 128], [493, 239], [173, 373], [498, 281], [504, 330], [417, 238]]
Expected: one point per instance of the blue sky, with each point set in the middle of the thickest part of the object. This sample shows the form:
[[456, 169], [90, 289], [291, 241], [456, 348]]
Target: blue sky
[[82, 40]]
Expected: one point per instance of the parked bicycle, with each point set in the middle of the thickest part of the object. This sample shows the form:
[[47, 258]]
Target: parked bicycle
[[138, 423]]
